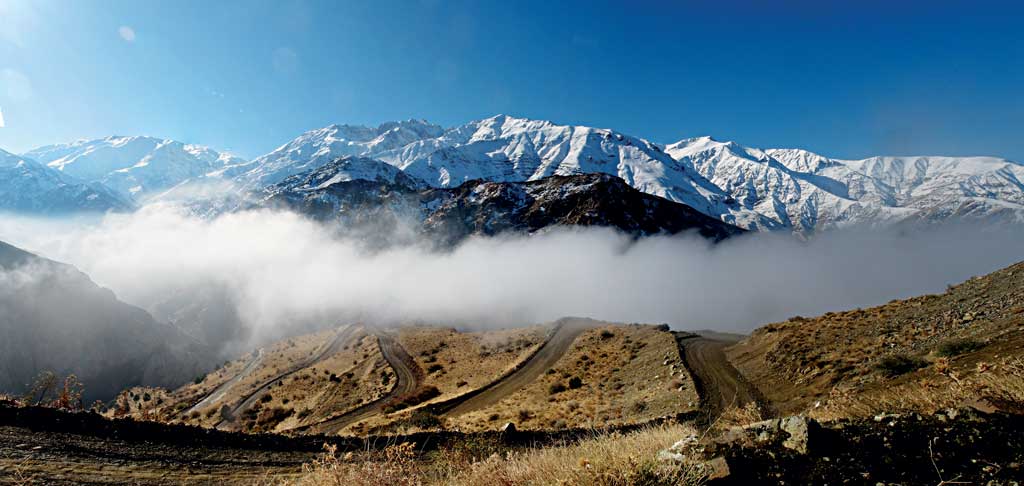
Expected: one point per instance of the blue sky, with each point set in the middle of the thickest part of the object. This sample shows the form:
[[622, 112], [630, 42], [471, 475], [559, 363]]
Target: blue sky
[[844, 78]]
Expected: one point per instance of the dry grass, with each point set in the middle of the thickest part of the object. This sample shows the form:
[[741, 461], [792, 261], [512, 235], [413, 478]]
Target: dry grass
[[355, 375], [611, 375], [1000, 386], [799, 363], [734, 416], [609, 460], [457, 362]]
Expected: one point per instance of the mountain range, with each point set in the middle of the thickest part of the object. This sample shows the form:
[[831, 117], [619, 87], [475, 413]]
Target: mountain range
[[382, 201], [754, 189], [28, 186], [135, 167]]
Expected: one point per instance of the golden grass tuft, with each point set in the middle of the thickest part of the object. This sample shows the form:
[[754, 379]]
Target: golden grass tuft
[[605, 460], [735, 416]]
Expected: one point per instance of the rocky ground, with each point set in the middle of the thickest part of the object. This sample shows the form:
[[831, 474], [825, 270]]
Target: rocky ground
[[956, 446]]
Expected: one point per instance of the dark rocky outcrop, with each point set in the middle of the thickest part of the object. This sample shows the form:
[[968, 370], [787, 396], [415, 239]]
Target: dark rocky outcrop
[[965, 445]]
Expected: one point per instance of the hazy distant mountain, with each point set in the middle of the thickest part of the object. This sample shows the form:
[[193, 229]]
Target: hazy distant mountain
[[53, 317], [379, 199], [30, 187], [134, 166]]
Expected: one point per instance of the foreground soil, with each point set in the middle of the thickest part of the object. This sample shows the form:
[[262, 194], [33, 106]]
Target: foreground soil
[[47, 446], [31, 457]]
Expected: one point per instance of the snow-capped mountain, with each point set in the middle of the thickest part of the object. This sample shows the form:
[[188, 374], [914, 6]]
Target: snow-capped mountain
[[772, 189], [28, 186], [318, 147], [503, 149], [508, 149], [347, 169], [133, 166], [807, 192], [381, 203]]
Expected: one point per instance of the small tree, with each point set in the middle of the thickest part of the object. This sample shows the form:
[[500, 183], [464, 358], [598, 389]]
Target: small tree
[[70, 397], [41, 387]]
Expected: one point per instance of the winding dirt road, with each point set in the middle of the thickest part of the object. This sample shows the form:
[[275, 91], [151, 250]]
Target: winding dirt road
[[218, 393], [408, 377], [550, 352], [719, 384], [340, 339]]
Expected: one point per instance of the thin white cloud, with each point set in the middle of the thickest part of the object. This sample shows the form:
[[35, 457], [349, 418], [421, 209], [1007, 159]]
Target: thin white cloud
[[127, 33], [2, 125], [14, 85]]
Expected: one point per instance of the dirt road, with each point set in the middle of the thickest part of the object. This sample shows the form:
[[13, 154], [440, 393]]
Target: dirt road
[[218, 393], [340, 338], [408, 377], [718, 383], [563, 336]]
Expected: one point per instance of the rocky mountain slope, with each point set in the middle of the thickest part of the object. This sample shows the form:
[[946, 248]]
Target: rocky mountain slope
[[30, 187], [53, 317], [807, 192], [365, 193], [133, 166]]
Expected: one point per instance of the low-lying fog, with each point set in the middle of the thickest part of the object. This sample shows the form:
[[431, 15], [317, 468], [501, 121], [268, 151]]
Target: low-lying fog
[[278, 268]]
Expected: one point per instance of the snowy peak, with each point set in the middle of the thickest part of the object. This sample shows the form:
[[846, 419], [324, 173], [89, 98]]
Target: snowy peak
[[28, 186], [509, 149], [133, 166], [348, 169], [318, 147], [805, 192], [800, 160]]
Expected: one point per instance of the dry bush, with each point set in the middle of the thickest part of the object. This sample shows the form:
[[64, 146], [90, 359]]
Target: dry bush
[[396, 466], [956, 347], [734, 416], [899, 364]]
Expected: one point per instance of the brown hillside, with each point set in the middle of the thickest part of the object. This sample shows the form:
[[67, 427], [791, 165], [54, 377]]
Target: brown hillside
[[917, 354]]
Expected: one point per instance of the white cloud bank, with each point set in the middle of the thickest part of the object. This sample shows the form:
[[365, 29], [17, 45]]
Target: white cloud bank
[[279, 267]]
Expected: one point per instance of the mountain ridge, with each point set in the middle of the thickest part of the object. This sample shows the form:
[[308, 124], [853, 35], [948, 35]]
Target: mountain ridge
[[380, 206], [757, 189], [134, 166], [28, 186], [54, 317]]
